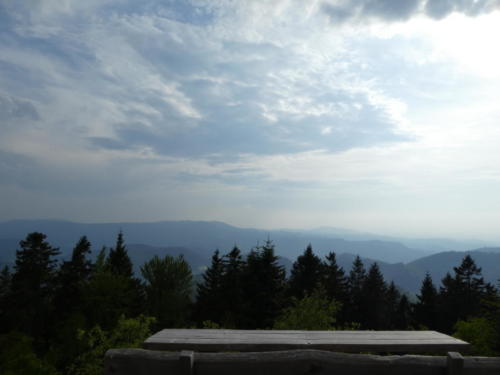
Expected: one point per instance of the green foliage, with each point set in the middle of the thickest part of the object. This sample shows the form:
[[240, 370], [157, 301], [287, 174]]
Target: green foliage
[[108, 296], [480, 333], [128, 333], [112, 290], [168, 289], [17, 357], [71, 315], [313, 312], [100, 263], [208, 324]]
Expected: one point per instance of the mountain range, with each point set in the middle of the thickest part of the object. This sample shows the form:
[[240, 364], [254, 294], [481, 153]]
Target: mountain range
[[196, 241]]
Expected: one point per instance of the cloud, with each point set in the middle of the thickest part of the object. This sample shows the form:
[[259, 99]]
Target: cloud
[[438, 9], [241, 110], [12, 108], [193, 87], [389, 10]]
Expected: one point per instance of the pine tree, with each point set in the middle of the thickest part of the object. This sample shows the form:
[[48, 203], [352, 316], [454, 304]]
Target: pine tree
[[209, 292], [426, 306], [336, 286], [118, 261], [32, 287], [232, 288], [355, 282], [373, 299], [471, 286], [461, 296], [448, 304], [335, 279], [392, 305], [113, 290], [307, 274], [72, 277], [264, 286]]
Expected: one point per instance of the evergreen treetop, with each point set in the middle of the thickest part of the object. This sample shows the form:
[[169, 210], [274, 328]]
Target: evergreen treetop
[[307, 274], [118, 261]]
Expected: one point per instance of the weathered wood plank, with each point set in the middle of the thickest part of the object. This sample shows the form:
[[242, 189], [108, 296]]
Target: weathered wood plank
[[186, 359], [138, 362], [144, 362], [347, 341], [454, 363]]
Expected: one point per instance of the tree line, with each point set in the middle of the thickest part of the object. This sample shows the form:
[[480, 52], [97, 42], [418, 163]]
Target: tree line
[[59, 317]]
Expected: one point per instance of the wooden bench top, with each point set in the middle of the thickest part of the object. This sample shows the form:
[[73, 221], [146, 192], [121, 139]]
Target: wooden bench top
[[214, 340]]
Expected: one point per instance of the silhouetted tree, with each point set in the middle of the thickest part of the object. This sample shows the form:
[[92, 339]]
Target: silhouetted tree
[[426, 306], [355, 282], [72, 277], [113, 290], [392, 300], [471, 287], [335, 280], [209, 299], [263, 285], [306, 275], [448, 304], [461, 296], [335, 285], [118, 261], [32, 288], [373, 299], [232, 288]]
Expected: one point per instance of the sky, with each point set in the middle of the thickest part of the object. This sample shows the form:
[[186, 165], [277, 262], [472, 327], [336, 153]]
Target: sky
[[374, 115]]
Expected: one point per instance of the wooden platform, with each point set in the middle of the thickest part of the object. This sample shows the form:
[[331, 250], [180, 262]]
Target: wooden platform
[[215, 340]]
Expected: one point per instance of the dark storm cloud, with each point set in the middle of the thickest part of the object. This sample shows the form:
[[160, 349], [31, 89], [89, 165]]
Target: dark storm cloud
[[390, 10]]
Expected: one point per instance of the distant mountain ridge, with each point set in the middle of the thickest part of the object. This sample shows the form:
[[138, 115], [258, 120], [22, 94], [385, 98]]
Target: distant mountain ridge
[[196, 241], [206, 236], [409, 276]]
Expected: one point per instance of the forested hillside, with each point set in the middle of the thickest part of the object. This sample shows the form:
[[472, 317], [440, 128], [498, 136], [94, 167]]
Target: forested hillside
[[59, 317], [197, 240]]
